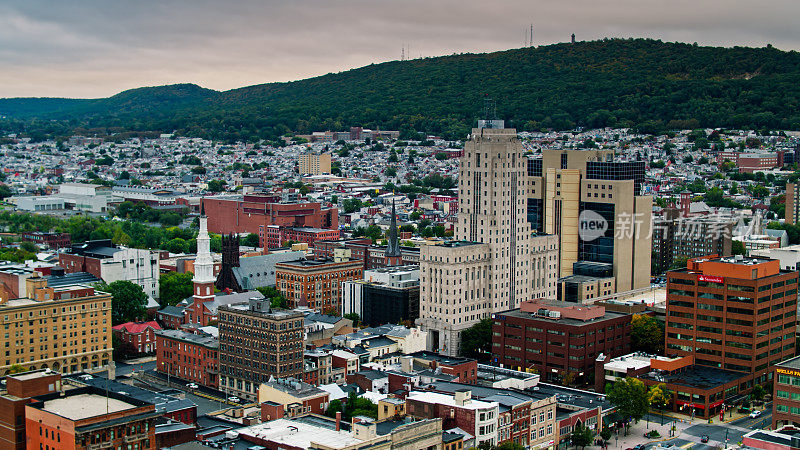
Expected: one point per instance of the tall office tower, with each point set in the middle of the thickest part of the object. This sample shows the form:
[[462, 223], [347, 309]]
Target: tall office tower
[[594, 205], [496, 260], [792, 204]]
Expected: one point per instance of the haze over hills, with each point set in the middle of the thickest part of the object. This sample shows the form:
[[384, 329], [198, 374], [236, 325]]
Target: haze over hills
[[648, 84]]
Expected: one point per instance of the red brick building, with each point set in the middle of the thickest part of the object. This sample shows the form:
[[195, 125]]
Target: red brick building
[[292, 397], [316, 283], [139, 335], [234, 214], [188, 356], [558, 339], [85, 417], [19, 390], [273, 236], [371, 256], [52, 240], [466, 369]]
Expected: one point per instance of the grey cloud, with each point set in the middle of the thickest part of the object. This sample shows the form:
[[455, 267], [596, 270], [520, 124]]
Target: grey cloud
[[91, 48]]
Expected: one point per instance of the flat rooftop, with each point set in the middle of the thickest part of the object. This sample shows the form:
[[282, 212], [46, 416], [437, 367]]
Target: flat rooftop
[[609, 315], [83, 406], [701, 377]]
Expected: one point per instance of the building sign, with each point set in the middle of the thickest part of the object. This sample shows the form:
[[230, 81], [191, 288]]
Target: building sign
[[788, 372], [711, 279]]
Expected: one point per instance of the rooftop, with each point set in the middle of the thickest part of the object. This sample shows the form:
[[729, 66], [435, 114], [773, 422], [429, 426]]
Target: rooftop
[[84, 406], [449, 400], [701, 377], [793, 363], [609, 315]]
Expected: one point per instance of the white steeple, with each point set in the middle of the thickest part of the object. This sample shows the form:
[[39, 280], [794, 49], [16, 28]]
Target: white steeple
[[204, 262]]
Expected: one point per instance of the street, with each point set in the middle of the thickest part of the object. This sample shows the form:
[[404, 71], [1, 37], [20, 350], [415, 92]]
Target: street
[[124, 369]]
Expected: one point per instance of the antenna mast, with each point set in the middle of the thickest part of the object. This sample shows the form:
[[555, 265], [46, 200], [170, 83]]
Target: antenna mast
[[531, 41]]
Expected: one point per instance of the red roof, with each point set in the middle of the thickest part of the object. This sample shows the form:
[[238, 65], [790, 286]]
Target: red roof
[[136, 327]]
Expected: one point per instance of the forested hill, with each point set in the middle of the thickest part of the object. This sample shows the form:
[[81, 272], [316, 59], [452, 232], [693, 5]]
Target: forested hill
[[649, 84]]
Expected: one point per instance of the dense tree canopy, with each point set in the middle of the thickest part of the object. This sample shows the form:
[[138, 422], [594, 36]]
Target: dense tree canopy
[[128, 301], [629, 396], [174, 287], [476, 341], [647, 334], [648, 84]]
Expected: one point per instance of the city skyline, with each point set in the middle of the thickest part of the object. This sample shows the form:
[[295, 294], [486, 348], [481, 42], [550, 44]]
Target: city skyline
[[92, 49]]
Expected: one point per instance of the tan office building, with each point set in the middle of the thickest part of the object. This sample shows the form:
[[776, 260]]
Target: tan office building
[[65, 329], [593, 204], [314, 163]]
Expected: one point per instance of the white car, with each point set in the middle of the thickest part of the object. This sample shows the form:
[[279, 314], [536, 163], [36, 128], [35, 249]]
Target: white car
[[192, 386], [233, 399], [755, 414]]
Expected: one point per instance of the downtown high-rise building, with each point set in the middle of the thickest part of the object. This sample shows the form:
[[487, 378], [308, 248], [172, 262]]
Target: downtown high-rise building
[[595, 206], [496, 260]]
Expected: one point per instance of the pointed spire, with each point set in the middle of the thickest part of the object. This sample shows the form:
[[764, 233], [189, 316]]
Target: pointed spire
[[393, 249], [202, 208]]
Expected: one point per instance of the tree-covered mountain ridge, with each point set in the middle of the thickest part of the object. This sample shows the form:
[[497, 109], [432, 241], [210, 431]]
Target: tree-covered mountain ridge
[[649, 84]]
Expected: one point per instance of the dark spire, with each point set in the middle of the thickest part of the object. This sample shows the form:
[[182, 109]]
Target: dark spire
[[202, 208], [393, 249]]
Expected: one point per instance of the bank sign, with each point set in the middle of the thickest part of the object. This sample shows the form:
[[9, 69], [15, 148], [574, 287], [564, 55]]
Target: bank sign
[[711, 279]]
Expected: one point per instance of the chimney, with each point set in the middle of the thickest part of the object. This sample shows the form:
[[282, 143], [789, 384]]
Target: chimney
[[338, 420]]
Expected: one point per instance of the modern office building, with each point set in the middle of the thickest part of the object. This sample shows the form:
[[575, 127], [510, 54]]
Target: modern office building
[[560, 341], [65, 329], [792, 214], [256, 343], [679, 238], [496, 259], [311, 163], [595, 207], [732, 313], [385, 295]]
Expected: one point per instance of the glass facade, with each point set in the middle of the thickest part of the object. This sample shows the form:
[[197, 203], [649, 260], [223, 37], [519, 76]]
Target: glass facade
[[600, 249], [631, 170]]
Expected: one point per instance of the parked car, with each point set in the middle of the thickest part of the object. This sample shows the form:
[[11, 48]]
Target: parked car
[[192, 386], [233, 399], [704, 438], [755, 414]]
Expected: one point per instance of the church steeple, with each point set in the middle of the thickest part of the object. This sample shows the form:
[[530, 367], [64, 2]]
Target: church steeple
[[204, 262], [393, 254]]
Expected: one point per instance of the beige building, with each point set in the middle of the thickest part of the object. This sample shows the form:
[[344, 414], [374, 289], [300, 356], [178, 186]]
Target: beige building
[[65, 329], [314, 163], [594, 206], [496, 260]]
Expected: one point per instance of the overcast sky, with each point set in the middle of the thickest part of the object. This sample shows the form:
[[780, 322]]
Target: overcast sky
[[96, 48]]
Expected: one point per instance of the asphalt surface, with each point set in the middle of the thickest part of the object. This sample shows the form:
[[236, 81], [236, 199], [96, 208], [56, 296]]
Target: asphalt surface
[[124, 369]]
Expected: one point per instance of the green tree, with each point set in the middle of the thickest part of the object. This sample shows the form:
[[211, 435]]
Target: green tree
[[351, 205], [738, 248], [176, 245], [581, 436], [16, 368], [251, 240], [605, 434], [647, 334], [476, 341], [658, 396], [354, 317], [510, 445], [758, 392], [174, 287], [277, 300], [128, 301], [28, 246], [629, 396], [216, 185], [5, 191]]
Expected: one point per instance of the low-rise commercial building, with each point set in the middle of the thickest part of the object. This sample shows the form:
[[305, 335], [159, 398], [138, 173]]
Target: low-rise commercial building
[[558, 340], [188, 356]]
